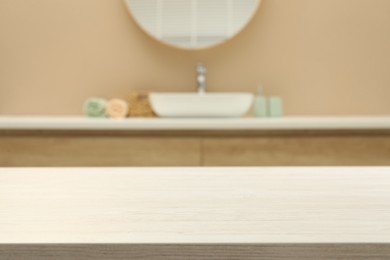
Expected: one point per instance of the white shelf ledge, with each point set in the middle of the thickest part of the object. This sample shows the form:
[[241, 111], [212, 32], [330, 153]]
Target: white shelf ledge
[[287, 123]]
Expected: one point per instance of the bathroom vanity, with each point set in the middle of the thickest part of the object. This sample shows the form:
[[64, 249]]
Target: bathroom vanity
[[195, 213], [80, 141]]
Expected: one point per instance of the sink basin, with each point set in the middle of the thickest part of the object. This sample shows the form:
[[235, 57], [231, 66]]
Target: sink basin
[[201, 105]]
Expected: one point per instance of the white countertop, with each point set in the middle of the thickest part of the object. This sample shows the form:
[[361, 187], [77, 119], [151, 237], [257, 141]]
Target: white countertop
[[195, 205], [287, 123]]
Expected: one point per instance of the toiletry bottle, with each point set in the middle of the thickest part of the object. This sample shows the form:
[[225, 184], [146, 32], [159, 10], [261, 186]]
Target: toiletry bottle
[[260, 107], [275, 107]]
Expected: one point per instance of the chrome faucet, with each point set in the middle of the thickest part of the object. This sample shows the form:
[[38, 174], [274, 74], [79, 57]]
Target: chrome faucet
[[201, 78]]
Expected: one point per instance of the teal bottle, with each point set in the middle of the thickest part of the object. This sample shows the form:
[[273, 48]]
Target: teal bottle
[[260, 106], [275, 107]]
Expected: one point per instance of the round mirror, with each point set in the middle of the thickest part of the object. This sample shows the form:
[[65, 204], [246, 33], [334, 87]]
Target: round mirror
[[192, 24]]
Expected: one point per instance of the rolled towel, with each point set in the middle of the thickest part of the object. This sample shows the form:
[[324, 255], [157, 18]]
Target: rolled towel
[[117, 108], [95, 107]]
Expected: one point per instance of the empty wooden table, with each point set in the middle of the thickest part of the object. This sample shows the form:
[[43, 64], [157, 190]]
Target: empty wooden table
[[195, 213]]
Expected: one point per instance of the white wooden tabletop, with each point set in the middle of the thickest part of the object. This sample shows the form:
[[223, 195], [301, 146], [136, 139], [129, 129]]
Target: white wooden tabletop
[[195, 205]]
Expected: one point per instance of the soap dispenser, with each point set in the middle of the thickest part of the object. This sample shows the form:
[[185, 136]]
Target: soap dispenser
[[260, 106]]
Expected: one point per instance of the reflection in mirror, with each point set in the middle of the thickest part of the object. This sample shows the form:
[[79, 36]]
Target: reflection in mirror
[[192, 24]]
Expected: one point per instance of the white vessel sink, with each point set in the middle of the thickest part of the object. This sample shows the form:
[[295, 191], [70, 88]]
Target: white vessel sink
[[201, 105]]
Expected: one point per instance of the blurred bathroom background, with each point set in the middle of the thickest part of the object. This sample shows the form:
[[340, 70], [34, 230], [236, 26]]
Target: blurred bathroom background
[[324, 57]]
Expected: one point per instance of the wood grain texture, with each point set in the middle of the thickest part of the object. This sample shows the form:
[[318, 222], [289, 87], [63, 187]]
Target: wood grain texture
[[101, 150], [197, 252], [195, 205], [194, 148], [292, 150]]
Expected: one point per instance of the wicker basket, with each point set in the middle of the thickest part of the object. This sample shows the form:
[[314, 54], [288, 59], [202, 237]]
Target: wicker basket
[[139, 105]]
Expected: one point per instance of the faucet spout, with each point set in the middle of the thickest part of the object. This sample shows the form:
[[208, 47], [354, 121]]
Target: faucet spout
[[201, 78]]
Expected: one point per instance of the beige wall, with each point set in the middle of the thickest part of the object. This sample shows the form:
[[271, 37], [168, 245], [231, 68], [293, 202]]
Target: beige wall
[[323, 56]]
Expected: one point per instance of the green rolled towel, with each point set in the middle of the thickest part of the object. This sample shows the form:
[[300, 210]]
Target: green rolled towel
[[95, 107]]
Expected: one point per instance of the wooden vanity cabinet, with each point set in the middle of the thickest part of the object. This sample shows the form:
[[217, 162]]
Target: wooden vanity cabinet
[[299, 149], [78, 149], [194, 148]]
